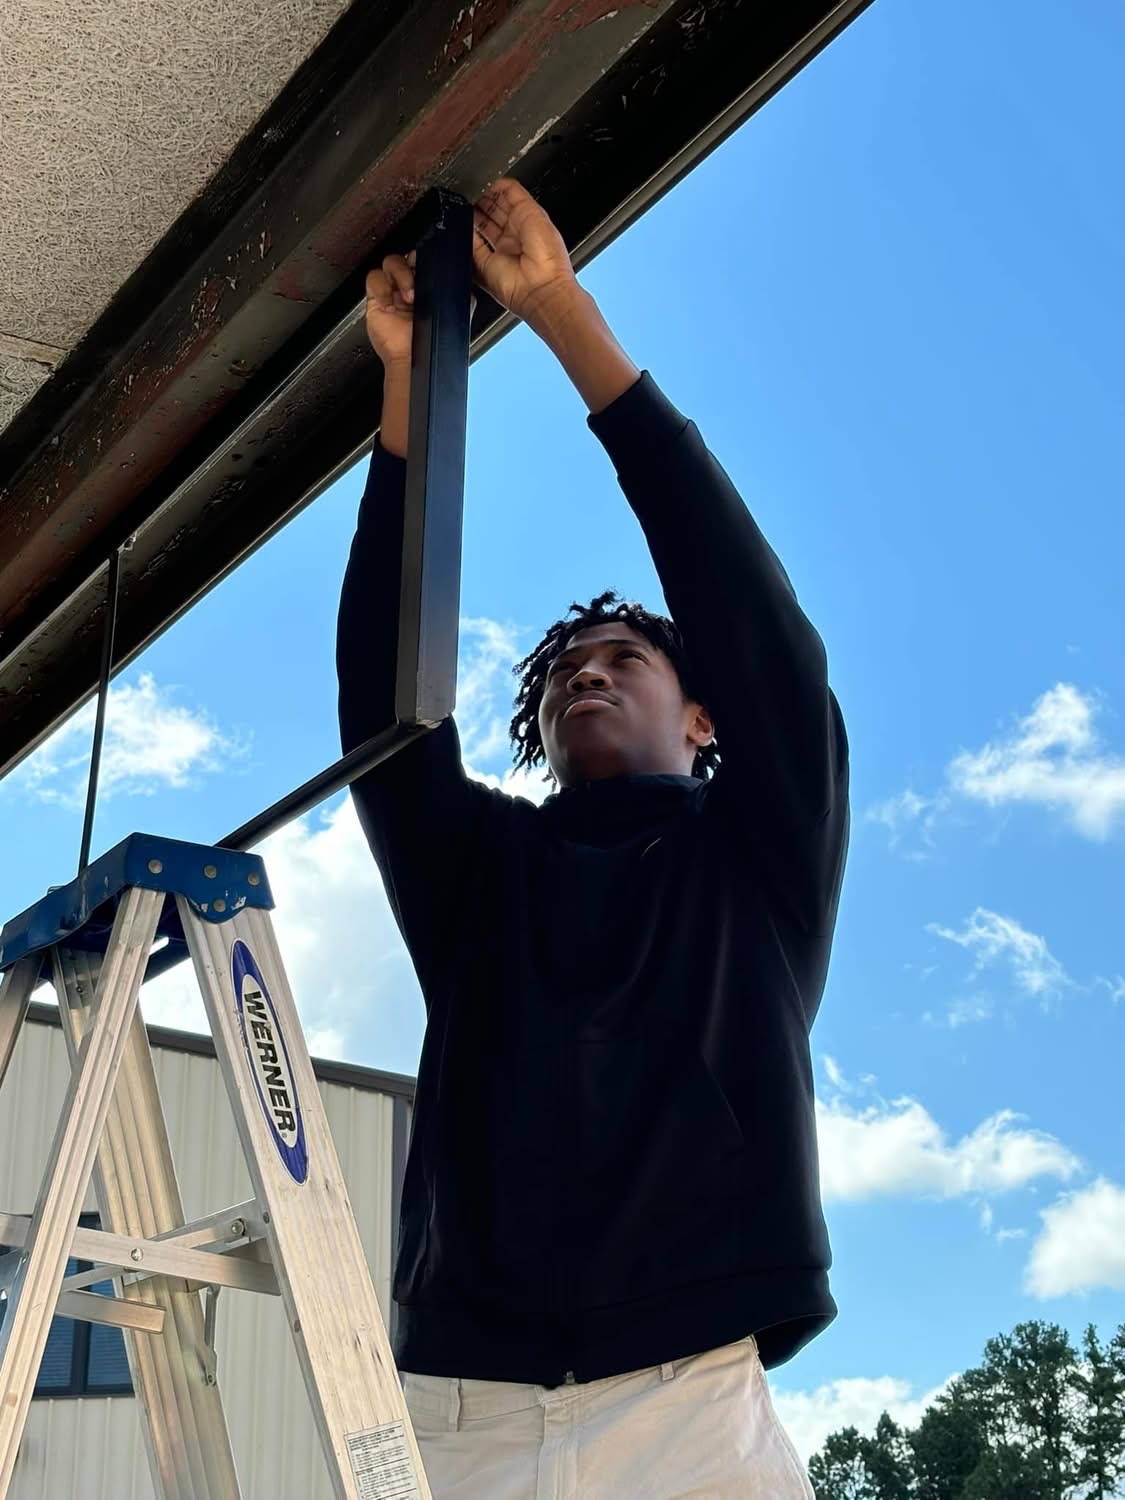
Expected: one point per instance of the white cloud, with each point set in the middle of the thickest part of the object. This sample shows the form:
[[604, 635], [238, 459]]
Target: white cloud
[[834, 1072], [151, 744], [967, 1010], [1081, 1245], [485, 688], [991, 939], [899, 1149], [809, 1416], [1115, 986], [909, 814], [1053, 758]]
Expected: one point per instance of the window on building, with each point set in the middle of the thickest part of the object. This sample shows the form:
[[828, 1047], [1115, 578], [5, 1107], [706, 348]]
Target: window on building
[[82, 1359]]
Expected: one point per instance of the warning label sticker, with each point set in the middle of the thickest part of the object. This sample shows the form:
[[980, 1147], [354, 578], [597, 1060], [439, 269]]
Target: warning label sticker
[[382, 1464]]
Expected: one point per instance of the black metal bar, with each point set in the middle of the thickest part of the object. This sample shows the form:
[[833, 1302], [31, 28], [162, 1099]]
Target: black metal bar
[[430, 588], [429, 600], [108, 631], [340, 774]]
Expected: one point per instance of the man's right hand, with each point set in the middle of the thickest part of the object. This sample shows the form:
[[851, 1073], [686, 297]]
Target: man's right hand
[[390, 309]]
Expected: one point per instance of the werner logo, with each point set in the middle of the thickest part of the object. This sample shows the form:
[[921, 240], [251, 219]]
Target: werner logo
[[269, 1062]]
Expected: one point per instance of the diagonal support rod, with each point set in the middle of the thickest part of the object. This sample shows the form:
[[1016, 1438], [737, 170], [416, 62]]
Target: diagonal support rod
[[109, 630]]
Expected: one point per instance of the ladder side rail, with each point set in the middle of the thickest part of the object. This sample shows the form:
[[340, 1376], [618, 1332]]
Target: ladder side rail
[[182, 1420], [35, 1288], [345, 1357], [16, 990]]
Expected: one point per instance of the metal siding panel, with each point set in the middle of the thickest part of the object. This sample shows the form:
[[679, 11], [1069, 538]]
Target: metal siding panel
[[93, 1447]]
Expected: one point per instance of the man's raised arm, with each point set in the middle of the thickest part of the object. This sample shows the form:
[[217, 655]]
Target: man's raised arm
[[761, 664]]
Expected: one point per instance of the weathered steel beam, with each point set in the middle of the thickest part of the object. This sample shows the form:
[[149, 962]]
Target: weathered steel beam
[[230, 381]]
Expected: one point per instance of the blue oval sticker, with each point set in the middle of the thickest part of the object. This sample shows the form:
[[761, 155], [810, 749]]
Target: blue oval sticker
[[269, 1061]]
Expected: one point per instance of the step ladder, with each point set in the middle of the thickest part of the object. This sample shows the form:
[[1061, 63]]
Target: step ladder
[[296, 1238], [94, 939]]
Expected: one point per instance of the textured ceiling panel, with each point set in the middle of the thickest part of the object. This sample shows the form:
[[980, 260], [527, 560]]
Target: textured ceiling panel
[[19, 380], [113, 116]]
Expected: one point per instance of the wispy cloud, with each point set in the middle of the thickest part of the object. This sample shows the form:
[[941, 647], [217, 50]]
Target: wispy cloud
[[995, 939], [910, 820], [489, 650], [485, 694], [966, 1011], [809, 1416], [1081, 1246], [152, 743], [1053, 758], [898, 1149]]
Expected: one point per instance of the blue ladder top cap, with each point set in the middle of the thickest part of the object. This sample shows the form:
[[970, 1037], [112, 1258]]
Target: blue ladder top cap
[[216, 883]]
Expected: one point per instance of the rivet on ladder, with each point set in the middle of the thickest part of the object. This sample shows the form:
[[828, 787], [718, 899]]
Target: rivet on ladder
[[155, 866], [210, 871]]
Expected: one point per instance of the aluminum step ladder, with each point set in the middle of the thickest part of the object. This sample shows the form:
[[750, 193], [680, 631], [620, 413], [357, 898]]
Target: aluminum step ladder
[[296, 1238], [95, 940]]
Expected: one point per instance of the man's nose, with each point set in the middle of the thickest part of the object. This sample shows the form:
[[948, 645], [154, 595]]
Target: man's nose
[[588, 678]]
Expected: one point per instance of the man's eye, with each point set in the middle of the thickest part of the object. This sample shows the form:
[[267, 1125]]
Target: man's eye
[[557, 666], [636, 655]]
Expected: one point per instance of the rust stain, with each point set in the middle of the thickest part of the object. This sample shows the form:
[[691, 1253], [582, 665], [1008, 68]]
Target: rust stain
[[470, 26]]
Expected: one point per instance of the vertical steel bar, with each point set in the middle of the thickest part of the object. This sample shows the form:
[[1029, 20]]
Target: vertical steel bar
[[109, 630], [429, 601]]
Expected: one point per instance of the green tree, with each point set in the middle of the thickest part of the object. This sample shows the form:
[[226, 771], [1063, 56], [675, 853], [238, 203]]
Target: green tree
[[889, 1461], [852, 1466], [839, 1470], [1025, 1390], [948, 1444], [1099, 1381], [1010, 1472]]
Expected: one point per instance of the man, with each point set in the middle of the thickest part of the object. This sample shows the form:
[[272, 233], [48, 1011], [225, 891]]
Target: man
[[611, 1218]]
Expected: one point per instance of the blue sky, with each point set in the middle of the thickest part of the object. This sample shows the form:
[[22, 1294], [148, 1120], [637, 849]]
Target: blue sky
[[892, 302]]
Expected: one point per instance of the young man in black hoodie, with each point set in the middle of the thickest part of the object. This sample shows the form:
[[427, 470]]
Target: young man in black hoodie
[[611, 1219]]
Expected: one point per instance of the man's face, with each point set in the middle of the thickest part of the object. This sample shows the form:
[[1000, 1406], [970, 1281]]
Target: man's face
[[613, 706]]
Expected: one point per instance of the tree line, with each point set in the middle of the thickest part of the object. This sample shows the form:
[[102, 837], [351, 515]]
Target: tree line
[[1035, 1420]]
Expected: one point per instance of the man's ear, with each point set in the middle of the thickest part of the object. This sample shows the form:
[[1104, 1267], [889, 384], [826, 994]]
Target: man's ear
[[701, 729]]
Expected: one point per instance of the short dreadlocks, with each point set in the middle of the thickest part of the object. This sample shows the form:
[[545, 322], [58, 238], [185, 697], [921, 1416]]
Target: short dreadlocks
[[532, 671]]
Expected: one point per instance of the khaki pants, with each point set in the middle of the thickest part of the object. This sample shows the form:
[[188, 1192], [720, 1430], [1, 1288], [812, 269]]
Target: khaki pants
[[703, 1428]]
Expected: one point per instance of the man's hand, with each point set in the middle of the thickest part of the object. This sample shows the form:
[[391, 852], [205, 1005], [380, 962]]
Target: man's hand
[[520, 257], [521, 260], [390, 309]]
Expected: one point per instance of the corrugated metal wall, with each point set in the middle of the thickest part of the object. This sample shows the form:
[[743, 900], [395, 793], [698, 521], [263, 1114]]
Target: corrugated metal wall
[[91, 1449]]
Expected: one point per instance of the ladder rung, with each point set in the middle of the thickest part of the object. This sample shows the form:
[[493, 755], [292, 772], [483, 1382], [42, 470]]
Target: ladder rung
[[92, 1307], [152, 1257]]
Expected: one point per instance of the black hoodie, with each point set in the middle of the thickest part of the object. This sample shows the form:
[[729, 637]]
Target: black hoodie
[[613, 1161]]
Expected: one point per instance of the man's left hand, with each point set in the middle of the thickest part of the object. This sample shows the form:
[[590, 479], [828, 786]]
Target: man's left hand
[[520, 257]]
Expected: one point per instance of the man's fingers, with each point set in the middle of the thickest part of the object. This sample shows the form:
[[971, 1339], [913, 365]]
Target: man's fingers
[[380, 289], [401, 275]]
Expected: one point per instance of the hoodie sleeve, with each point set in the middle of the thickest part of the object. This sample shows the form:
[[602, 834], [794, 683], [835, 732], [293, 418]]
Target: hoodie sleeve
[[760, 664], [421, 815]]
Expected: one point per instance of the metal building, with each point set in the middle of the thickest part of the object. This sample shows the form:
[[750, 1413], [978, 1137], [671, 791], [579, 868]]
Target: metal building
[[86, 1444]]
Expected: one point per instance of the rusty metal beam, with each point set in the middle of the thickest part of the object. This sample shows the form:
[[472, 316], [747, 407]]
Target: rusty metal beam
[[230, 381]]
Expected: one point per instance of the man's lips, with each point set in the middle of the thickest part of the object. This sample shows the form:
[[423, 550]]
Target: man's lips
[[587, 700]]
